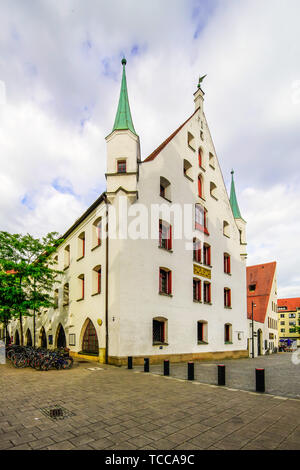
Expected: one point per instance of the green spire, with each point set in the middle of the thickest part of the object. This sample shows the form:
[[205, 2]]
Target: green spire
[[233, 200], [123, 117]]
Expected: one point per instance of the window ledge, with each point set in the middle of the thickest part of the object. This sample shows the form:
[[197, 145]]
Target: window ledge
[[79, 300], [96, 293], [94, 248], [212, 166], [207, 303], [166, 199], [80, 257], [158, 343], [166, 295], [227, 236], [66, 305], [66, 267], [214, 197], [202, 198], [228, 274], [201, 168], [202, 342], [201, 229], [194, 150], [228, 342], [197, 301], [188, 177], [227, 307], [165, 249]]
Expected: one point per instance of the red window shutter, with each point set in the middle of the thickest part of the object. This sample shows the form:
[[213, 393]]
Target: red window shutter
[[225, 264], [229, 298], [199, 290], [170, 282], [170, 238], [83, 246], [160, 281], [99, 281], [82, 283], [208, 255], [209, 293], [160, 234], [229, 267], [200, 157]]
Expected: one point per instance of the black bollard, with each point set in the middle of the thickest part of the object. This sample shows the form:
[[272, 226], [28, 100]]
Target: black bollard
[[260, 380], [166, 367], [221, 374], [146, 364], [190, 371], [130, 362]]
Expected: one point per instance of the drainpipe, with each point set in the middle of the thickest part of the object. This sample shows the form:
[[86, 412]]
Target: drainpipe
[[106, 286]]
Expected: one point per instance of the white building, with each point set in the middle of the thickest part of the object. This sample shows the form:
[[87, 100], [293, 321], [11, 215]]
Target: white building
[[262, 301], [151, 292]]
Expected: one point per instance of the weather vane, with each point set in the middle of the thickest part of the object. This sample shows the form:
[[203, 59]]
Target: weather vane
[[201, 80]]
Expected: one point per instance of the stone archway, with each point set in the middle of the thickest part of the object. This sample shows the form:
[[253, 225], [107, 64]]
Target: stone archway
[[89, 344], [43, 338], [61, 341], [28, 338], [17, 338]]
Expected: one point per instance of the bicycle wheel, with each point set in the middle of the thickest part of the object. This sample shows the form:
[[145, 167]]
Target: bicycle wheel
[[67, 363], [45, 364]]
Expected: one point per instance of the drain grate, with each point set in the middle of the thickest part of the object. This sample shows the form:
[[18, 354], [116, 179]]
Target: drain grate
[[56, 412]]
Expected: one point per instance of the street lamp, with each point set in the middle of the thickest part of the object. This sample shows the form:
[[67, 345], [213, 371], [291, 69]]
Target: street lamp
[[253, 305]]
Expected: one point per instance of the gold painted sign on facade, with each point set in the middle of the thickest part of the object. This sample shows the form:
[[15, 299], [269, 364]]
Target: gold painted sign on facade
[[200, 271]]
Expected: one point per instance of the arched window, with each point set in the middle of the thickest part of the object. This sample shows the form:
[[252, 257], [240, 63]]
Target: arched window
[[97, 232], [81, 246], [61, 341], [165, 281], [165, 235], [81, 287], [159, 330], [17, 338], [165, 188], [228, 333], [227, 297], [200, 186], [200, 157], [202, 332], [66, 294], [96, 280], [43, 338], [90, 343]]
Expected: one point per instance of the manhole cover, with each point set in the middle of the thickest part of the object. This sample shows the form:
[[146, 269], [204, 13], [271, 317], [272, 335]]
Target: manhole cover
[[56, 412]]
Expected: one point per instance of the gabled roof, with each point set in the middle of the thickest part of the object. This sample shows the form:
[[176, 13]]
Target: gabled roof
[[165, 142], [260, 275], [291, 304], [123, 119]]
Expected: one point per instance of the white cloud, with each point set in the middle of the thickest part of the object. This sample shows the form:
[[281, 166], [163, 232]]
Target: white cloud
[[60, 62]]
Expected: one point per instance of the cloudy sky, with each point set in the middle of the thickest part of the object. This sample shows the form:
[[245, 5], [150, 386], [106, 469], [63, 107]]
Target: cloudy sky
[[59, 86]]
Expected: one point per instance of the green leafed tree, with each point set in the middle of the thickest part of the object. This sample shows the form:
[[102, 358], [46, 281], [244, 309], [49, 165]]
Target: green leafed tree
[[27, 275]]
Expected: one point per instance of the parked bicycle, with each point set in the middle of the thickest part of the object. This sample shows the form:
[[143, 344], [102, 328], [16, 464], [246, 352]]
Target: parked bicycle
[[39, 358]]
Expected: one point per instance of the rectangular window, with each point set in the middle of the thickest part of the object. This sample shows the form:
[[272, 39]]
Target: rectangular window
[[202, 332], [206, 255], [197, 290], [165, 235], [207, 292], [158, 331], [227, 297], [226, 263], [197, 250], [121, 166], [227, 334], [165, 281]]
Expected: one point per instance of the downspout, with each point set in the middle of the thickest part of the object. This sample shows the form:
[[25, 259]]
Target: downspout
[[106, 286]]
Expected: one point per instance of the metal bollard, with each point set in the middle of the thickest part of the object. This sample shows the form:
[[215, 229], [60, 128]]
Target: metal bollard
[[146, 364], [130, 362], [166, 367], [190, 371], [221, 374], [260, 380]]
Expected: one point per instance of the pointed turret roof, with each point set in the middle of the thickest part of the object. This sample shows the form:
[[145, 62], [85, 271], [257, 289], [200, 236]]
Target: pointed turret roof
[[123, 119], [233, 200]]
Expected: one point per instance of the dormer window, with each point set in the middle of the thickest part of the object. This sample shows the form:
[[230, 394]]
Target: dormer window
[[121, 166], [187, 169], [211, 160], [226, 230], [213, 188]]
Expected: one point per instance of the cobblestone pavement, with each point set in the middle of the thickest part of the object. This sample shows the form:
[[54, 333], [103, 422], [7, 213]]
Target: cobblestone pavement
[[282, 376], [114, 408]]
